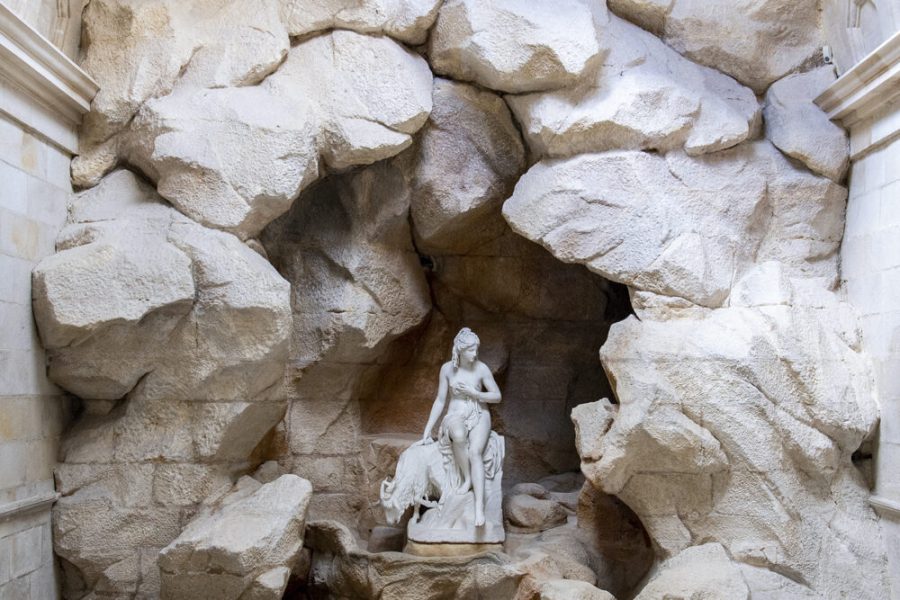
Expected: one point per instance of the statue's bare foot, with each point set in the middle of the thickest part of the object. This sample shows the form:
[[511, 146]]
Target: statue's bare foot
[[479, 517], [464, 486]]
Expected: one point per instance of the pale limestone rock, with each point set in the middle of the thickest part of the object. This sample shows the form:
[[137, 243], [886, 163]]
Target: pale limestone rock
[[160, 281], [800, 129], [405, 20], [201, 377], [644, 95], [467, 159], [346, 98], [341, 569], [214, 44], [516, 45], [532, 509], [693, 224], [755, 41], [568, 589], [243, 545], [706, 571], [698, 572], [738, 430]]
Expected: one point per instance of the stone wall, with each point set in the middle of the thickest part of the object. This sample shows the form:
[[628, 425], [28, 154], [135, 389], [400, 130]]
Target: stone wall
[[37, 140], [870, 255]]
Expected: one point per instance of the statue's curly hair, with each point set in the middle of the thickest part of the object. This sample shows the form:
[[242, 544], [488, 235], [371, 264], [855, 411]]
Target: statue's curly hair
[[466, 338]]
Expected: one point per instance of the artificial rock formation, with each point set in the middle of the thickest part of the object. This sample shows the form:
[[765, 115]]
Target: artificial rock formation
[[241, 546], [180, 367], [318, 215], [277, 131], [515, 45], [693, 224], [799, 129], [643, 95], [468, 158], [755, 41]]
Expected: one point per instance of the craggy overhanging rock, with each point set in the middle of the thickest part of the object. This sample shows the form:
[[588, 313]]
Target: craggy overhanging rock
[[207, 44], [755, 41], [236, 158], [516, 45], [357, 282], [643, 95], [739, 429], [466, 162], [191, 327], [241, 546], [681, 226], [800, 129]]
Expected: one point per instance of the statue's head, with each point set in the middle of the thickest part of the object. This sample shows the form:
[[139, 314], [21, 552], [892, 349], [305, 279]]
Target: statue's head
[[465, 341]]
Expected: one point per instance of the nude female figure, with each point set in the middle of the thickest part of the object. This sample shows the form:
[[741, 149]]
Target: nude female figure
[[469, 384]]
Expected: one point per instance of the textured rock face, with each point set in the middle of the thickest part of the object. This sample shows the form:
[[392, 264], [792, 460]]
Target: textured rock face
[[322, 102], [737, 413], [185, 353], [405, 20], [643, 95], [468, 157], [800, 129], [755, 41], [243, 545], [317, 204], [515, 45], [692, 224]]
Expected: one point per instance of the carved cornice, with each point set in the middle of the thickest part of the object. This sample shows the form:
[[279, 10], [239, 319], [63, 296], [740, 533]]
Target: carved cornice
[[41, 87], [29, 505], [869, 85]]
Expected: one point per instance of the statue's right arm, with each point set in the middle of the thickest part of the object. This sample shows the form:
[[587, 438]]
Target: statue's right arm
[[438, 406]]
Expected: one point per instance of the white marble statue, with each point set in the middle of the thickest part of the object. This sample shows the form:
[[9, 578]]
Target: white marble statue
[[457, 479]]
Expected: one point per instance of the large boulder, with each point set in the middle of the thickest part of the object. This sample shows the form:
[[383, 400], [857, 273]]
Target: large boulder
[[800, 129], [680, 226], [643, 95], [342, 98], [737, 430], [516, 45], [466, 162], [243, 545], [755, 41]]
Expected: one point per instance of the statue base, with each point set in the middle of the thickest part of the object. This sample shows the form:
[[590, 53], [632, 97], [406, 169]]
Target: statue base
[[449, 550]]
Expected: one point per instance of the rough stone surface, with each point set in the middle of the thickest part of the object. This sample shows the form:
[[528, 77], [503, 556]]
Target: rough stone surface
[[515, 45], [242, 545], [755, 41], [693, 225], [754, 411], [178, 391], [346, 98], [532, 510], [405, 20], [800, 129], [568, 589], [342, 570], [643, 95], [468, 158]]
